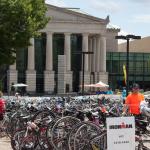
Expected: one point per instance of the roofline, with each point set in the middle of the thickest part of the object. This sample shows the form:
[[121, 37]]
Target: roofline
[[113, 29], [103, 21]]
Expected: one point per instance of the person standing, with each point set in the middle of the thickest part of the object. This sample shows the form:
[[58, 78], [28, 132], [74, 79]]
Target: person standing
[[110, 92], [133, 100], [124, 94]]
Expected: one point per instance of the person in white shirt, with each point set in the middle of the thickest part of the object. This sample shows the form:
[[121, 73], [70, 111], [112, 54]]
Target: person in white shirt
[[145, 107]]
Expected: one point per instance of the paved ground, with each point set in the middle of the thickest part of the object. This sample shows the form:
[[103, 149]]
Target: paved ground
[[5, 144]]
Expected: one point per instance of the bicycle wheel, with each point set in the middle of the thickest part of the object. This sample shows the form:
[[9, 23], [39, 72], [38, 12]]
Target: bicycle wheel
[[2, 129], [24, 139], [44, 117], [84, 134], [143, 141], [72, 135], [100, 141], [80, 130], [42, 139], [60, 132], [49, 132], [12, 124]]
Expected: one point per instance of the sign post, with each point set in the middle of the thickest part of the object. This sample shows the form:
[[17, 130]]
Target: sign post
[[121, 133]]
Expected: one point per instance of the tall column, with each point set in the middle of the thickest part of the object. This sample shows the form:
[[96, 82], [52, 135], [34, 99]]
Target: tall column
[[97, 57], [12, 76], [68, 51], [31, 73], [49, 51], [85, 49], [68, 75], [91, 55], [31, 55], [98, 54], [49, 73], [95, 54], [103, 75], [103, 54]]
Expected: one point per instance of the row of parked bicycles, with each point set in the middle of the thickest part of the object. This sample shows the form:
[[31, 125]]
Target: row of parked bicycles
[[65, 123]]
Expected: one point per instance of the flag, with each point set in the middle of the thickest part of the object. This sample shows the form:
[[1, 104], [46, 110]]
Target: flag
[[125, 74]]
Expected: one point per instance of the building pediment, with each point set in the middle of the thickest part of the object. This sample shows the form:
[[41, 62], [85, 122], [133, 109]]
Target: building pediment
[[59, 14]]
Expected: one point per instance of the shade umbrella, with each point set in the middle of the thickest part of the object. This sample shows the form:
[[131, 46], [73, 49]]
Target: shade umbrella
[[20, 85], [101, 84]]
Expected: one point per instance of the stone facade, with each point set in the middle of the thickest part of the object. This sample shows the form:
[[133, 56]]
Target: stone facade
[[61, 74], [49, 82], [31, 81], [12, 76], [68, 78]]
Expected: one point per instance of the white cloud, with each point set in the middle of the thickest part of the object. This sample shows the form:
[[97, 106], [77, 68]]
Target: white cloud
[[122, 32], [59, 3], [107, 5], [145, 18]]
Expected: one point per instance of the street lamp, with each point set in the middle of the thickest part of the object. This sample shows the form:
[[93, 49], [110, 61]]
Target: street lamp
[[127, 38], [83, 58]]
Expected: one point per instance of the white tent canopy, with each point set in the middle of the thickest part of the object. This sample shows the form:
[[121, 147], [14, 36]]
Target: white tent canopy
[[20, 85], [88, 85], [101, 84]]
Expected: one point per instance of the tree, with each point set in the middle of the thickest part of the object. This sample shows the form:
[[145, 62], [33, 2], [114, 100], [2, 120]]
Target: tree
[[19, 21]]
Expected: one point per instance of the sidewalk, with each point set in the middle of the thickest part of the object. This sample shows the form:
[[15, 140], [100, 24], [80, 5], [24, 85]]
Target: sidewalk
[[5, 144]]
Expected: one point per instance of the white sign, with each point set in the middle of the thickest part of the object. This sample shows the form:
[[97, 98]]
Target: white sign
[[121, 133]]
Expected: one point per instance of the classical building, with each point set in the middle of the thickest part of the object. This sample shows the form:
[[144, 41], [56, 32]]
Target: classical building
[[53, 62]]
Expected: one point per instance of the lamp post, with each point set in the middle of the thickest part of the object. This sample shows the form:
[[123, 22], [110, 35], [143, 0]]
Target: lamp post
[[127, 38], [83, 58]]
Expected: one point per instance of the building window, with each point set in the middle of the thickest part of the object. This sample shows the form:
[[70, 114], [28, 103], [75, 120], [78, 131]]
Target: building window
[[139, 68]]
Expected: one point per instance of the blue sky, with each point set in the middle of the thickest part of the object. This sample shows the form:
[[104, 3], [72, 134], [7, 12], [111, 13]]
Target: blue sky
[[132, 16]]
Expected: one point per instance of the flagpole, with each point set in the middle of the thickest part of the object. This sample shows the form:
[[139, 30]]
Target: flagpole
[[127, 68]]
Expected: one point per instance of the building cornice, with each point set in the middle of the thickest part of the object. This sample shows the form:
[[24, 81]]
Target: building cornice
[[71, 21], [92, 18], [112, 30]]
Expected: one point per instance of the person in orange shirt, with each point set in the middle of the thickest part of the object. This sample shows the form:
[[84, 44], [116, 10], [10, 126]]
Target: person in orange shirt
[[133, 100]]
